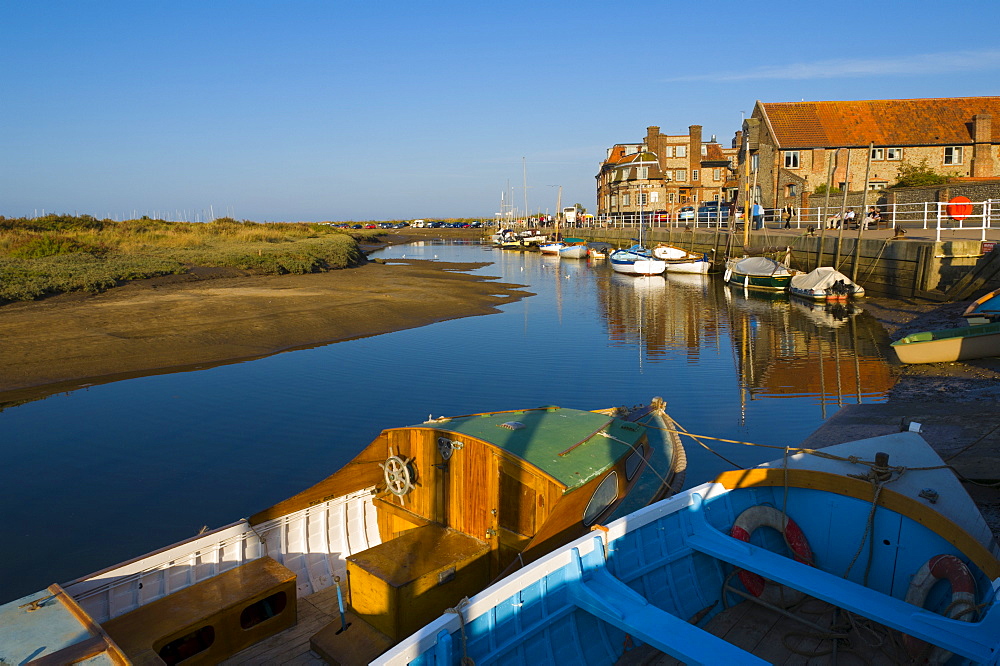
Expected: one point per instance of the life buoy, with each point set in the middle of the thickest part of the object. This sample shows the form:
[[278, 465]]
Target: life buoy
[[767, 516], [963, 598]]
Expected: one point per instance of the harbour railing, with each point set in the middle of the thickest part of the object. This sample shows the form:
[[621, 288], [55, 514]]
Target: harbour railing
[[937, 215]]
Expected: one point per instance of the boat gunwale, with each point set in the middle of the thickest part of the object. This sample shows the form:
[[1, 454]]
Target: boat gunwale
[[805, 479]]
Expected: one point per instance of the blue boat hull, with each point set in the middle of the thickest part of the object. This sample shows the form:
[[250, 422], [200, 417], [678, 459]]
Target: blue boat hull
[[644, 579]]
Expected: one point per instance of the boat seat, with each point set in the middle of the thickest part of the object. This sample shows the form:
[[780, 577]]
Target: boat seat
[[602, 595], [972, 640], [212, 619]]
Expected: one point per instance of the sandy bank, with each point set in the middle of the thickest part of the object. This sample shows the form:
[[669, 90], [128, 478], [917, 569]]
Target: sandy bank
[[214, 317]]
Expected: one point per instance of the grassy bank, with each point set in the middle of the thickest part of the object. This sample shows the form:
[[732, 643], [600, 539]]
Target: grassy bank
[[54, 254]]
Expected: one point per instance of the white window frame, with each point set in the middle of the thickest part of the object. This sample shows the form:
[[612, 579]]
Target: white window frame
[[654, 197], [680, 175], [643, 198], [642, 173], [680, 151], [694, 174], [754, 162], [953, 155], [625, 199], [670, 197], [668, 151], [792, 159], [878, 154], [877, 185], [716, 174], [894, 154]]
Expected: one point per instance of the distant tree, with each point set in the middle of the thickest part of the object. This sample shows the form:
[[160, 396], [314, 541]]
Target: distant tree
[[821, 189], [580, 209], [918, 175]]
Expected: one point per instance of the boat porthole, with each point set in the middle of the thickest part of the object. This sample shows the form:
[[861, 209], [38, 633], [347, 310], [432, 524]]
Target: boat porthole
[[632, 464], [603, 497]]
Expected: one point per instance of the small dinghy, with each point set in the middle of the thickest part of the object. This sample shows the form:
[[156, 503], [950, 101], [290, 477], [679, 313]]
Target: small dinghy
[[824, 284]]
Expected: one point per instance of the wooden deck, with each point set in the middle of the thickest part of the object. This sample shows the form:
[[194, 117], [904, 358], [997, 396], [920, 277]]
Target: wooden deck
[[781, 640], [292, 645]]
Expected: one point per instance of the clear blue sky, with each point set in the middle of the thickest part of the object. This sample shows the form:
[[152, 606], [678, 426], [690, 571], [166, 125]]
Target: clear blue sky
[[347, 110]]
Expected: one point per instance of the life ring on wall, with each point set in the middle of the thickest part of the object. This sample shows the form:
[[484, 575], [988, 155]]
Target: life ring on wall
[[963, 598], [767, 516]]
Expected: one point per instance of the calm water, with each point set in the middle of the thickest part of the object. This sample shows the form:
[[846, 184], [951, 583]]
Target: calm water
[[102, 474]]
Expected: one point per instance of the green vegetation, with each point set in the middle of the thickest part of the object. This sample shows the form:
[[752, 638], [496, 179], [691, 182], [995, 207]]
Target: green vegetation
[[56, 253], [821, 189], [918, 175]]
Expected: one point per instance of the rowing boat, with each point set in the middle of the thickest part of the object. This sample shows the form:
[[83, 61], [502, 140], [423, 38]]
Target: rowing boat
[[949, 344], [780, 562]]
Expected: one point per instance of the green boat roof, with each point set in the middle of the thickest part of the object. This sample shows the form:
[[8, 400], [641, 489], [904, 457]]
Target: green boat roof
[[563, 443]]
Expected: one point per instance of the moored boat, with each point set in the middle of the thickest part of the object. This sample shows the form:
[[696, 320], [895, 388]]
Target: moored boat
[[637, 260], [949, 344], [761, 273], [824, 283], [599, 250], [790, 560], [985, 309], [679, 260], [421, 517], [574, 248]]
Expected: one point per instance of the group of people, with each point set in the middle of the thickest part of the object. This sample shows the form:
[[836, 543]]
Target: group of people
[[871, 220]]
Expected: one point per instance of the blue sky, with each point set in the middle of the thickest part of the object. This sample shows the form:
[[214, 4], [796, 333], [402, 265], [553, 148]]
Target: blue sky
[[344, 110]]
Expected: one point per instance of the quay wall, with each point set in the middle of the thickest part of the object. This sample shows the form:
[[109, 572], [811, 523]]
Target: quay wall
[[883, 266]]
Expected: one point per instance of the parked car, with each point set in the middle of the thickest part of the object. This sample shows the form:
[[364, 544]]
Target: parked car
[[686, 213], [713, 211]]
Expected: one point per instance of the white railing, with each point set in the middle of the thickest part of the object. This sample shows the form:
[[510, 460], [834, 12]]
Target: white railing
[[937, 215]]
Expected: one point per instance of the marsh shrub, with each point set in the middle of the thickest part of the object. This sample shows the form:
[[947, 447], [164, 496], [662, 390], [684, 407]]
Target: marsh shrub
[[59, 253]]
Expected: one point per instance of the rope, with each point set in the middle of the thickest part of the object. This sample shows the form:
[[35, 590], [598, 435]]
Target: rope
[[457, 610], [812, 452]]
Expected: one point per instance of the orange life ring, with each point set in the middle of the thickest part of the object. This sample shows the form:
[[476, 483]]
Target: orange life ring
[[963, 598], [767, 516]]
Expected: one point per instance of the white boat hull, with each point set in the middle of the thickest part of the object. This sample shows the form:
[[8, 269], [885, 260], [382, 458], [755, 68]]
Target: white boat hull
[[695, 267], [573, 251], [630, 262]]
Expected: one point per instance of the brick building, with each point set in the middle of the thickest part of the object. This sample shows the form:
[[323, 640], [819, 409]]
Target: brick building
[[787, 150], [662, 174]]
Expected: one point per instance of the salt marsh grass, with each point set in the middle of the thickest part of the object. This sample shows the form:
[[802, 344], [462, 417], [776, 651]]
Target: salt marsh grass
[[53, 254]]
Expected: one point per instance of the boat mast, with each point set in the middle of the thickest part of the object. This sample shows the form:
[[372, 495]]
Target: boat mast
[[558, 211]]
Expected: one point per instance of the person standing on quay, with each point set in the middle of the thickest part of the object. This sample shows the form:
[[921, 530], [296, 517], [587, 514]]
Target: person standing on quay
[[758, 216]]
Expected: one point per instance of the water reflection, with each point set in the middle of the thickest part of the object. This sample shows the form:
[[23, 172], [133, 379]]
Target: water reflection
[[782, 346]]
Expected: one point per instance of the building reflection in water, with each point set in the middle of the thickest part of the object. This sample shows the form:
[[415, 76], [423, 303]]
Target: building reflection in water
[[782, 346]]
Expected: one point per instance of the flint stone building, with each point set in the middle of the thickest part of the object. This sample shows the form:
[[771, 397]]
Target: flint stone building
[[788, 149]]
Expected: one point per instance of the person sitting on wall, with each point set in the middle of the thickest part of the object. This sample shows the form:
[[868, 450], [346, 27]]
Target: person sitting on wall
[[849, 218]]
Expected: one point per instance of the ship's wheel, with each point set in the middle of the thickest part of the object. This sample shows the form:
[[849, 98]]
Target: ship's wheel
[[398, 474]]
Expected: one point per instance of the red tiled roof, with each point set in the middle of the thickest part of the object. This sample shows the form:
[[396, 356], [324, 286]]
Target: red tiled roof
[[714, 152], [891, 122]]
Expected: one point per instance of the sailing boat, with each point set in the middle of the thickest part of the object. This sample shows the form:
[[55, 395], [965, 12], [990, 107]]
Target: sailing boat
[[637, 260]]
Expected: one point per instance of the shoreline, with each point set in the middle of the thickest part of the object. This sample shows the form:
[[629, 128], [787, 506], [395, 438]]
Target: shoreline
[[211, 318]]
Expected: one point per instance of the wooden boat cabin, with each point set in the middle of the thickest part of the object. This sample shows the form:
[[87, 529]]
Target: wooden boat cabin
[[421, 518], [460, 499]]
